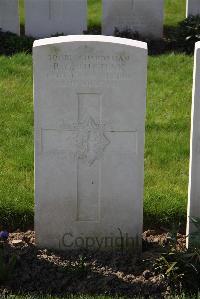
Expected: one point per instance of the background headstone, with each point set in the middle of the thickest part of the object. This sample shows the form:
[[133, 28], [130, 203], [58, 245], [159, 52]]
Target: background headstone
[[9, 16], [90, 98], [193, 7], [194, 177], [44, 18], [143, 16]]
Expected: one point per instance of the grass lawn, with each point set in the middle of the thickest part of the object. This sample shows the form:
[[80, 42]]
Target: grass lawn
[[87, 297], [167, 132], [175, 11]]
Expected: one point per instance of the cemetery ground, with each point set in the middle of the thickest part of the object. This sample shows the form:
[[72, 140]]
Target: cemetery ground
[[166, 182]]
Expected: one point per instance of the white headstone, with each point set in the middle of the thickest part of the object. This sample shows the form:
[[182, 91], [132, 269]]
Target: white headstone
[[192, 7], [143, 16], [44, 18], [90, 97], [194, 177], [9, 16]]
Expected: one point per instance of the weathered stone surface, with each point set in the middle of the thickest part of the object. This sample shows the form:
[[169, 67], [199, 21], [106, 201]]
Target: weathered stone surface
[[192, 7], [143, 16], [9, 16], [194, 177], [45, 18], [90, 96]]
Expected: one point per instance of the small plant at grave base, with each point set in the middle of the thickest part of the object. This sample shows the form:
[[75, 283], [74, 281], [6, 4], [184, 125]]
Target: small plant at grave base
[[188, 33], [173, 236], [6, 266], [195, 236], [79, 269], [180, 268]]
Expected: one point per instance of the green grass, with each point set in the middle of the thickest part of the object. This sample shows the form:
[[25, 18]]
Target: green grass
[[16, 140], [90, 297], [94, 13], [52, 297], [175, 11], [22, 14], [167, 132], [167, 137]]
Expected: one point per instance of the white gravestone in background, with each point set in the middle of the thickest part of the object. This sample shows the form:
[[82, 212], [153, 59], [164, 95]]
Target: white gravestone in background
[[194, 177], [44, 18], [90, 97], [192, 7], [9, 16], [143, 16]]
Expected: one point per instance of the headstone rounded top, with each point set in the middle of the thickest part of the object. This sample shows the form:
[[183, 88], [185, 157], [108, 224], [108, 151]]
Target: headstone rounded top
[[197, 45], [46, 18], [90, 38], [142, 16]]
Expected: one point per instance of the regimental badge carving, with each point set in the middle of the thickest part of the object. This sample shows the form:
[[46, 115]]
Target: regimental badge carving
[[85, 140], [91, 140]]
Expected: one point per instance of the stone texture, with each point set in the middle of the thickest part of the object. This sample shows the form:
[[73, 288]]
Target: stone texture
[[194, 176], [192, 7], [90, 97], [9, 16], [143, 16], [45, 18]]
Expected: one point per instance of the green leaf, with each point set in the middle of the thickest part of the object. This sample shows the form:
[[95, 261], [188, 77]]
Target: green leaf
[[171, 267]]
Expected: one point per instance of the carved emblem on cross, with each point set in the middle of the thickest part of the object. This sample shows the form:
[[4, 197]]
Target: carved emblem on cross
[[91, 140]]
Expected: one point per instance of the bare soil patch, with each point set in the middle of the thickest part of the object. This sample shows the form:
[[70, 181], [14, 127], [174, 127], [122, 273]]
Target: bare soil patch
[[82, 272]]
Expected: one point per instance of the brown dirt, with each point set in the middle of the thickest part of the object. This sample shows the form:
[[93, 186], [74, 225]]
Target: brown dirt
[[80, 272]]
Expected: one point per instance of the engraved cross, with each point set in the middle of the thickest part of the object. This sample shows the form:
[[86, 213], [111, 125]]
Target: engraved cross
[[86, 141]]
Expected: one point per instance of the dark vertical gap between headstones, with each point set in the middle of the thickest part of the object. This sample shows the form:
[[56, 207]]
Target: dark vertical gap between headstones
[[22, 17]]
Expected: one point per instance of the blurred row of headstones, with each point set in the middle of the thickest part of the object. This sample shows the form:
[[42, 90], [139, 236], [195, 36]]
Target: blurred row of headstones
[[45, 18]]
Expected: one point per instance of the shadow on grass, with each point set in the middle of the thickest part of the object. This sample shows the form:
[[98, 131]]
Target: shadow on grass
[[169, 43], [170, 32], [11, 44], [96, 30], [22, 30], [13, 220], [165, 221]]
